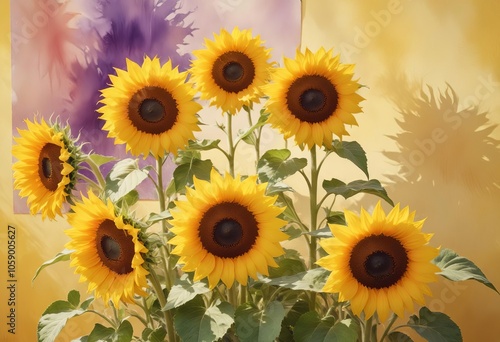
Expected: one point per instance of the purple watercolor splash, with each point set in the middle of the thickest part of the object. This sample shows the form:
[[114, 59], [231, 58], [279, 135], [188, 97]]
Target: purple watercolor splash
[[63, 52], [152, 28]]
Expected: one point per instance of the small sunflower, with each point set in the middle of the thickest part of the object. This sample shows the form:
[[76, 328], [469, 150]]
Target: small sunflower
[[107, 251], [227, 230], [380, 263], [231, 70], [47, 165], [313, 97], [150, 108]]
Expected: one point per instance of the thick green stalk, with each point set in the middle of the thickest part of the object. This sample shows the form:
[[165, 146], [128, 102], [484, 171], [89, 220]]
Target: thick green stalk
[[367, 335], [168, 275], [230, 155], [388, 328], [162, 300], [313, 205]]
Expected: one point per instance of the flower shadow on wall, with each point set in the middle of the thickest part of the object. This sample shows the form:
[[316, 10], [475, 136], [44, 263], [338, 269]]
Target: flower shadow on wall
[[449, 162]]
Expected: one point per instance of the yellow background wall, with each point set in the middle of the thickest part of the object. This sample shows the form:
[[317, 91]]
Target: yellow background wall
[[451, 168]]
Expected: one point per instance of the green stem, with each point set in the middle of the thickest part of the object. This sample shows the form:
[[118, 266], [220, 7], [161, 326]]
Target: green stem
[[146, 312], [113, 324], [388, 328], [230, 155], [243, 294], [168, 278], [89, 181], [233, 297], [160, 191], [97, 172], [368, 330], [313, 206], [162, 300]]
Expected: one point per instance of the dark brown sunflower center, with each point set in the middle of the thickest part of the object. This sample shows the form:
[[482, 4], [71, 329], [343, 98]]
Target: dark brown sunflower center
[[110, 248], [49, 166], [378, 261], [228, 230], [312, 98], [114, 247], [153, 110], [233, 71]]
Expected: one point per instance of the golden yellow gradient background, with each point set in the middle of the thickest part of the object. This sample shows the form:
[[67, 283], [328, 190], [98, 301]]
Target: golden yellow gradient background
[[397, 47], [400, 47]]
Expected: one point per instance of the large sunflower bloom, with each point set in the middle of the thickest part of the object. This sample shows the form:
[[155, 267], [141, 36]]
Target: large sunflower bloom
[[150, 108], [313, 97], [46, 168], [227, 229], [107, 251], [380, 263], [231, 70]]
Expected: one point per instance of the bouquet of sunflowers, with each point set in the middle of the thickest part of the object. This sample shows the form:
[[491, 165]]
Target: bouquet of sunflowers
[[220, 259]]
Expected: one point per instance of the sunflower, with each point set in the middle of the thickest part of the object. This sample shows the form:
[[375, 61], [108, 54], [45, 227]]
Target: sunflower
[[46, 168], [150, 108], [380, 263], [227, 229], [231, 70], [107, 250], [313, 97]]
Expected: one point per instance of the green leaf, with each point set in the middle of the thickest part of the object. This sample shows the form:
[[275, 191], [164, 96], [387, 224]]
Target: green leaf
[[195, 323], [352, 150], [146, 333], [310, 328], [186, 156], [123, 168], [274, 166], [74, 298], [54, 319], [435, 326], [154, 217], [183, 291], [372, 186], [336, 217], [86, 303], [101, 333], [274, 188], [458, 268], [99, 160], [311, 280], [288, 264], [158, 335], [183, 174], [203, 145], [129, 183], [255, 325], [292, 316], [321, 233], [247, 135], [64, 255], [130, 198], [124, 333], [397, 336]]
